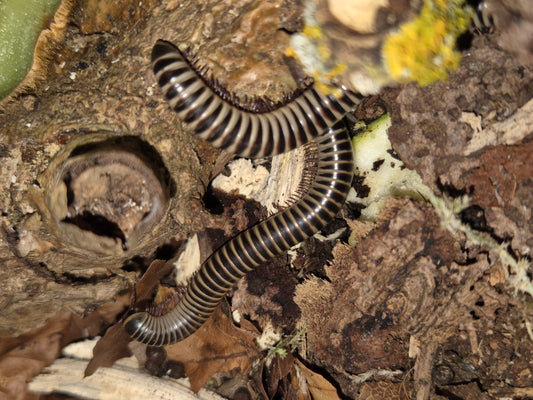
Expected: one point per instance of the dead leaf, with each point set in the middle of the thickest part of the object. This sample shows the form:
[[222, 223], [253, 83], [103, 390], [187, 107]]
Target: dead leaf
[[218, 346], [277, 371], [299, 384], [28, 355], [25, 356], [93, 324], [146, 285], [318, 386], [112, 347]]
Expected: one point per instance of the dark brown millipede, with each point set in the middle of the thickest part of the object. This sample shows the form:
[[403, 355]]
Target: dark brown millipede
[[311, 116]]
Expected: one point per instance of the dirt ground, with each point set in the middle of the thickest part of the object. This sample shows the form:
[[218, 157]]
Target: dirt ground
[[416, 309]]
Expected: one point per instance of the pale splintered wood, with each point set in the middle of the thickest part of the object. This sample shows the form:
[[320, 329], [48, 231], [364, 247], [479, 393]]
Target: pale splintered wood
[[124, 381]]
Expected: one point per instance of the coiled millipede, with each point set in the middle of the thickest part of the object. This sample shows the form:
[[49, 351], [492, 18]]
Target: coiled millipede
[[310, 116]]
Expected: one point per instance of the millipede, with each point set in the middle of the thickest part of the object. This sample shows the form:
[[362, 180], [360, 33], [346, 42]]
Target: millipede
[[308, 117], [236, 130], [483, 18]]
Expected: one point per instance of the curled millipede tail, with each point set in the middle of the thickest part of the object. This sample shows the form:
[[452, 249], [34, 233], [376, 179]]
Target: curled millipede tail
[[256, 245]]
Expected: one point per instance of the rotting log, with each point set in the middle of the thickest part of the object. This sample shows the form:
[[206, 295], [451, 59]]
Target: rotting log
[[411, 296]]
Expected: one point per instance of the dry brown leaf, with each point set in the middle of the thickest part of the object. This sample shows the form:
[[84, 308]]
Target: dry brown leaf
[[93, 324], [28, 355], [299, 385], [25, 356], [318, 386], [112, 347], [281, 366], [277, 371], [145, 286], [218, 346]]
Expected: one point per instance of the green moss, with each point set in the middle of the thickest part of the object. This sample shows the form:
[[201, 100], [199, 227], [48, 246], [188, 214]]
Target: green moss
[[21, 21]]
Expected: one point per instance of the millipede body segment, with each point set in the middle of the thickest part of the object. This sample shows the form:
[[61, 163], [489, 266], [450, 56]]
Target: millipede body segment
[[238, 131], [311, 116]]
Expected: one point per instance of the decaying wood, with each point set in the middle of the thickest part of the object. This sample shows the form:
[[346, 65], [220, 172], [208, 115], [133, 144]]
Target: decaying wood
[[123, 381], [413, 311], [105, 91]]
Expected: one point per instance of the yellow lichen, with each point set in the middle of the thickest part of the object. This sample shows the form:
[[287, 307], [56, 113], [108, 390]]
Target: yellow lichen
[[289, 52], [323, 81], [423, 49], [311, 50], [313, 32]]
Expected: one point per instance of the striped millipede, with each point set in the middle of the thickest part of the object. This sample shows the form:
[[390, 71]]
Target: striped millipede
[[311, 116], [483, 18], [239, 131]]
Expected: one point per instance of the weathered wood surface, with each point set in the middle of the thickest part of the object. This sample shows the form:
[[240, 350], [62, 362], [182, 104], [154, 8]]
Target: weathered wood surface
[[433, 311]]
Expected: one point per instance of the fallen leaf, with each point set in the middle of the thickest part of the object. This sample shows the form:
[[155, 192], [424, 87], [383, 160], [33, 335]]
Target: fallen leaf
[[25, 356], [146, 285], [278, 369], [218, 346], [300, 386], [318, 386], [28, 355], [112, 347]]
